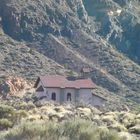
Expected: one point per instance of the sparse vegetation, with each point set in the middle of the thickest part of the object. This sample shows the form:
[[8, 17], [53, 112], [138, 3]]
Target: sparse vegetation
[[68, 130], [5, 124], [43, 39], [54, 122], [6, 111]]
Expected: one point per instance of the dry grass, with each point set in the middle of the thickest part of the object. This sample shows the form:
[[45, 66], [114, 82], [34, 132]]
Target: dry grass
[[68, 130]]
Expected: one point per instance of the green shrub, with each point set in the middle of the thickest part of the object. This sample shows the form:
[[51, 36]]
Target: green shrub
[[5, 124], [113, 136], [126, 136], [21, 114], [135, 129], [22, 106], [86, 130], [6, 111], [25, 106], [30, 106], [37, 130], [69, 130], [88, 134], [118, 127]]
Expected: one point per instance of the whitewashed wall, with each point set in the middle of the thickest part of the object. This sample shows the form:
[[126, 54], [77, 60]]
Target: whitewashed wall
[[97, 101], [72, 91], [49, 91], [85, 96]]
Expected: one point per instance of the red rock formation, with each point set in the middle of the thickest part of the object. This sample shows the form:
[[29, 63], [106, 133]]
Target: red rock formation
[[17, 84]]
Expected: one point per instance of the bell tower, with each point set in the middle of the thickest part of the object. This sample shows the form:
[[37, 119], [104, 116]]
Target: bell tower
[[85, 71]]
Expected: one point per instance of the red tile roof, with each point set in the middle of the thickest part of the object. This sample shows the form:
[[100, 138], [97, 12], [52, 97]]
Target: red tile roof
[[53, 81]]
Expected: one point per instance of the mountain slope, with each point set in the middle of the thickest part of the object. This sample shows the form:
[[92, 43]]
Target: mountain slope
[[74, 34], [119, 23], [19, 60]]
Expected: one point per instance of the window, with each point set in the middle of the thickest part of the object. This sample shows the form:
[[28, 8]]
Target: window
[[53, 96], [68, 96]]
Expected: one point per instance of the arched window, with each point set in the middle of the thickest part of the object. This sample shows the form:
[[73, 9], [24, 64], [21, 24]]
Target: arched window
[[68, 96], [53, 96]]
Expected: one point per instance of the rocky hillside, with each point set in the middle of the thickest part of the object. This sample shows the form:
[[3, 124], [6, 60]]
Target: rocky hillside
[[119, 23], [116, 21], [44, 36], [18, 59]]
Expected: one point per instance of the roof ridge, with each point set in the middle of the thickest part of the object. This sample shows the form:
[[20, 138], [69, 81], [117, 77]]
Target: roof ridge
[[62, 81]]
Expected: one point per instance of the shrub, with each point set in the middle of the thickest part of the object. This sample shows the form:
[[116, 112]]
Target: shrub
[[6, 111], [5, 124], [88, 134], [108, 119], [26, 106], [118, 127], [128, 119], [22, 106], [30, 105], [113, 136], [69, 130], [135, 129], [126, 136], [37, 130], [21, 114], [86, 130], [106, 134]]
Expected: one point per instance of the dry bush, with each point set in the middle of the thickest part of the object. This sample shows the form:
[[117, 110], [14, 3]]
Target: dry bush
[[5, 124], [69, 130]]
